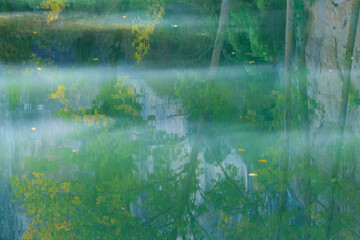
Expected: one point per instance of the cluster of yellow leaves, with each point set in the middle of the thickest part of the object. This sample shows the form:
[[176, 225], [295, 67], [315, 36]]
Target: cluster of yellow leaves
[[60, 93], [123, 91], [123, 94], [224, 223], [95, 119], [54, 208], [49, 205], [224, 216], [76, 201], [65, 186], [37, 175], [154, 13], [55, 7]]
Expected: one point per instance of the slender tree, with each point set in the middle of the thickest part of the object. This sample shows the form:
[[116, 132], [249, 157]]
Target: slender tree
[[218, 45], [285, 160], [343, 109]]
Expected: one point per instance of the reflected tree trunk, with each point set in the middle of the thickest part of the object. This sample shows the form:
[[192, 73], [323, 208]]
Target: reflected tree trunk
[[191, 172], [304, 114], [188, 181], [218, 45], [285, 160], [343, 110]]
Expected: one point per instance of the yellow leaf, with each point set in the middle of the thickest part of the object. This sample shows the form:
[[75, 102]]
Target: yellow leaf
[[37, 175], [66, 186], [76, 200]]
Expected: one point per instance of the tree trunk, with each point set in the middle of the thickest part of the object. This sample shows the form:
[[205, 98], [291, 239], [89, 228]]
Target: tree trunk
[[189, 179], [190, 175], [285, 162], [218, 45], [304, 114], [343, 109]]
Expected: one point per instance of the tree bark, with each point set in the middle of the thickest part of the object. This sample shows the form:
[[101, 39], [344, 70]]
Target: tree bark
[[219, 41], [343, 110], [285, 161]]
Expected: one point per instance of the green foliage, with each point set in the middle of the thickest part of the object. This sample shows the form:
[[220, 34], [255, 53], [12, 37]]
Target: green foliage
[[14, 91], [259, 23], [218, 100], [271, 5], [106, 178], [117, 98], [10, 43], [354, 97]]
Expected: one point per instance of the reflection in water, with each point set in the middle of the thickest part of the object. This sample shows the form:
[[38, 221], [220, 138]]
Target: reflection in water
[[112, 127]]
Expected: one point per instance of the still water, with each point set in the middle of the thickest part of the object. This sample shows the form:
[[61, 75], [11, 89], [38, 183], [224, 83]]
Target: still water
[[166, 120]]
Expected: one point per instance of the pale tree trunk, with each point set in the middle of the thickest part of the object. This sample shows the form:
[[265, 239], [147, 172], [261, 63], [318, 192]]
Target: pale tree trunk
[[218, 45], [343, 110], [285, 160]]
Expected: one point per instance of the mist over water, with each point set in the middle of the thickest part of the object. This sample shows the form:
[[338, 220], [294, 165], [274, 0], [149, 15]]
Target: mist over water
[[121, 120]]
